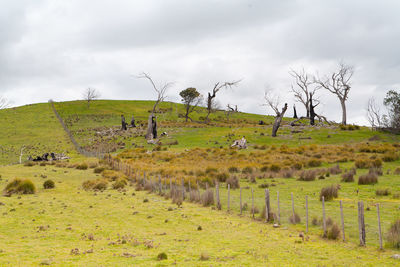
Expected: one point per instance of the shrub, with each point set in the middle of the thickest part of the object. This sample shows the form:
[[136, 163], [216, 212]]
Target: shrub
[[315, 221], [48, 184], [29, 163], [393, 235], [333, 232], [348, 177], [294, 218], [99, 169], [247, 170], [397, 171], [120, 183], [211, 170], [287, 173], [369, 178], [194, 196], [221, 177], [204, 256], [314, 163], [82, 166], [264, 169], [207, 198], [233, 169], [263, 186], [19, 186], [96, 185], [297, 166], [255, 210], [307, 175], [382, 192], [274, 168], [362, 164], [390, 156], [233, 181], [329, 193], [335, 170], [162, 256], [377, 171]]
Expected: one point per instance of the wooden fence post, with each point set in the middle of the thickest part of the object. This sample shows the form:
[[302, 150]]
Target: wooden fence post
[[183, 189], [252, 202], [279, 208], [361, 223], [240, 201], [160, 184], [379, 226], [144, 178], [342, 219], [190, 189], [267, 205], [323, 215], [217, 195], [293, 213], [229, 197], [170, 184], [306, 214]]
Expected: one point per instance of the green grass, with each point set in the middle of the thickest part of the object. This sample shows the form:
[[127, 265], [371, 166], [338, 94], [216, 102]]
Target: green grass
[[45, 227]]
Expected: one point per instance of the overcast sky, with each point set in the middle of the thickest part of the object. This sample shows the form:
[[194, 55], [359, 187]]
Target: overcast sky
[[56, 49]]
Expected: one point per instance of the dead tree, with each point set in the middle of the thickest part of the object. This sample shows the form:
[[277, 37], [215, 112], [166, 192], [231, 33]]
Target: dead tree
[[312, 112], [302, 90], [339, 84], [161, 95], [230, 110], [294, 112], [211, 95], [374, 115], [273, 102], [4, 103], [89, 95]]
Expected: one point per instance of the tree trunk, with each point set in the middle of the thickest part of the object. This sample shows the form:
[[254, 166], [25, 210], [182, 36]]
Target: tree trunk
[[187, 112], [311, 112], [294, 112], [149, 134], [344, 115], [278, 120]]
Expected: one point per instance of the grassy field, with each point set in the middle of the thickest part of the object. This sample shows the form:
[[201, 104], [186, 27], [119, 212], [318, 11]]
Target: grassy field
[[118, 228]]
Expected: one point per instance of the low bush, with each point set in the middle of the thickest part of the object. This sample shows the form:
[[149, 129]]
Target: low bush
[[120, 183], [82, 166], [233, 181], [348, 177], [333, 232], [233, 169], [314, 163], [377, 171], [335, 170], [29, 163], [263, 185], [369, 178], [162, 256], [274, 168], [287, 173], [390, 156], [264, 169], [307, 175], [382, 192], [247, 170], [48, 184], [207, 198], [99, 169], [19, 186], [222, 177], [329, 193], [294, 218], [254, 210], [96, 185], [297, 166], [396, 171], [393, 235]]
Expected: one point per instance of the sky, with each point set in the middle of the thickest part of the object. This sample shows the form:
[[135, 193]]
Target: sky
[[56, 49]]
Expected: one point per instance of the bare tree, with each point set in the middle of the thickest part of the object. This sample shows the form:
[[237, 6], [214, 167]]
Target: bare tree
[[374, 114], [273, 102], [303, 88], [339, 84], [4, 103], [230, 110], [89, 95], [161, 95], [211, 95]]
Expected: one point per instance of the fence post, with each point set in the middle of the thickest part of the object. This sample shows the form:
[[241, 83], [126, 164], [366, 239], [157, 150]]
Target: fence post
[[190, 189], [379, 226], [267, 205], [160, 184], [144, 178], [183, 189], [361, 223], [342, 219], [240, 201], [217, 195], [323, 215], [170, 184], [252, 202], [229, 197], [306, 214], [279, 208], [293, 213]]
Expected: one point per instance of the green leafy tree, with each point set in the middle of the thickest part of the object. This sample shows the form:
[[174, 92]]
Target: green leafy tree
[[191, 98], [392, 103]]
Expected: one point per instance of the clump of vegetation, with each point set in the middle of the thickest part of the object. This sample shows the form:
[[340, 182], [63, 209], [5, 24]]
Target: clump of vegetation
[[96, 185], [390, 156], [274, 168], [377, 171], [369, 178], [49, 184], [382, 192], [99, 169], [233, 181], [307, 175], [207, 198], [349, 127], [329, 193], [287, 173], [82, 166], [368, 163], [263, 185], [348, 177], [247, 170], [393, 235], [314, 163], [162, 256], [335, 170], [204, 256], [294, 218], [396, 171], [19, 186], [254, 210], [222, 177], [120, 183], [333, 232], [233, 169], [29, 164]]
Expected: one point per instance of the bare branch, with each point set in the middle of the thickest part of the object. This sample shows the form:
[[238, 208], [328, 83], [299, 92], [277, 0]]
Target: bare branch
[[272, 101], [4, 103], [90, 94]]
